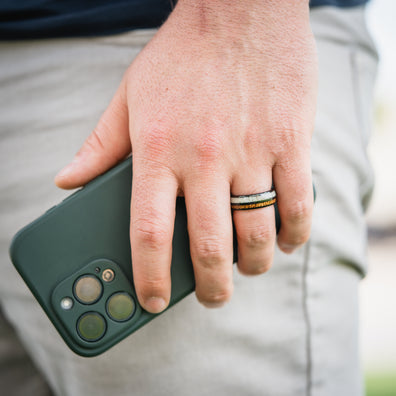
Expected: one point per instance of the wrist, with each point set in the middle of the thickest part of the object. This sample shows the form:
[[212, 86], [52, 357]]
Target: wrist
[[214, 15]]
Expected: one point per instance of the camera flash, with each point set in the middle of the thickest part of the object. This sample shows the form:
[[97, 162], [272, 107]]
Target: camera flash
[[66, 303]]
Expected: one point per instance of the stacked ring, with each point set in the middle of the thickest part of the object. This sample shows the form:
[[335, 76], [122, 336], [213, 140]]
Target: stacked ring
[[253, 201]]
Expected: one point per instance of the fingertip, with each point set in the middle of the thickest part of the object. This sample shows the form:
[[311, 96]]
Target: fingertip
[[213, 305], [215, 299], [62, 179], [155, 305], [287, 248], [74, 175]]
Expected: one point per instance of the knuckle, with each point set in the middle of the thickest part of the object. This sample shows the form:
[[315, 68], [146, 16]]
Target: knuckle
[[298, 213], [210, 251], [208, 149], [156, 142], [256, 236], [95, 141], [150, 234]]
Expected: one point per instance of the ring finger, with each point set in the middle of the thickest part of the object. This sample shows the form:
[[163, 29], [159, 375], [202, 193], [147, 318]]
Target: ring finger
[[255, 225]]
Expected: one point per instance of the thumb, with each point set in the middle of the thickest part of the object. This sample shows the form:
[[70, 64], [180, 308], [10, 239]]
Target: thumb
[[108, 144]]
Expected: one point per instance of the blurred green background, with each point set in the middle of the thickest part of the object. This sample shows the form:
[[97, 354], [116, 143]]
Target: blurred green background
[[378, 290], [381, 384]]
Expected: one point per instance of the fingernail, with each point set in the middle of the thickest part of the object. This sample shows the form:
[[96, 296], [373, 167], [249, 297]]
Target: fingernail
[[155, 304]]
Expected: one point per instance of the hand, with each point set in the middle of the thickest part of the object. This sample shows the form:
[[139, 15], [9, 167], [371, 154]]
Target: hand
[[220, 102]]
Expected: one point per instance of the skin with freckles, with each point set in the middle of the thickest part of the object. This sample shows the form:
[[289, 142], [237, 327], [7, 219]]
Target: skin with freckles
[[220, 102]]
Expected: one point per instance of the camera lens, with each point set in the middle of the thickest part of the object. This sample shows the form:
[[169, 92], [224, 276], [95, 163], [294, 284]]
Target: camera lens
[[91, 326], [88, 289], [120, 307]]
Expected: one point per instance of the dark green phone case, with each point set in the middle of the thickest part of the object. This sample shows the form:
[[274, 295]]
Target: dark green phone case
[[86, 237]]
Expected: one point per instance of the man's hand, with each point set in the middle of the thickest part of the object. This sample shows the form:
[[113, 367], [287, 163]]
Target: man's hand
[[220, 102]]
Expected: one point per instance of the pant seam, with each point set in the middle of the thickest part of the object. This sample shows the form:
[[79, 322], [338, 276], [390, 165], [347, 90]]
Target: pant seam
[[307, 320]]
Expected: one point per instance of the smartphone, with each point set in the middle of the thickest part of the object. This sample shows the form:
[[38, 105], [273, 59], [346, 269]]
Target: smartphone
[[76, 260]]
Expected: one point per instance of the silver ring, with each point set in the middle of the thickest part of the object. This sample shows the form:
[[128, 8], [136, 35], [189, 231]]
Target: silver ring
[[253, 201]]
